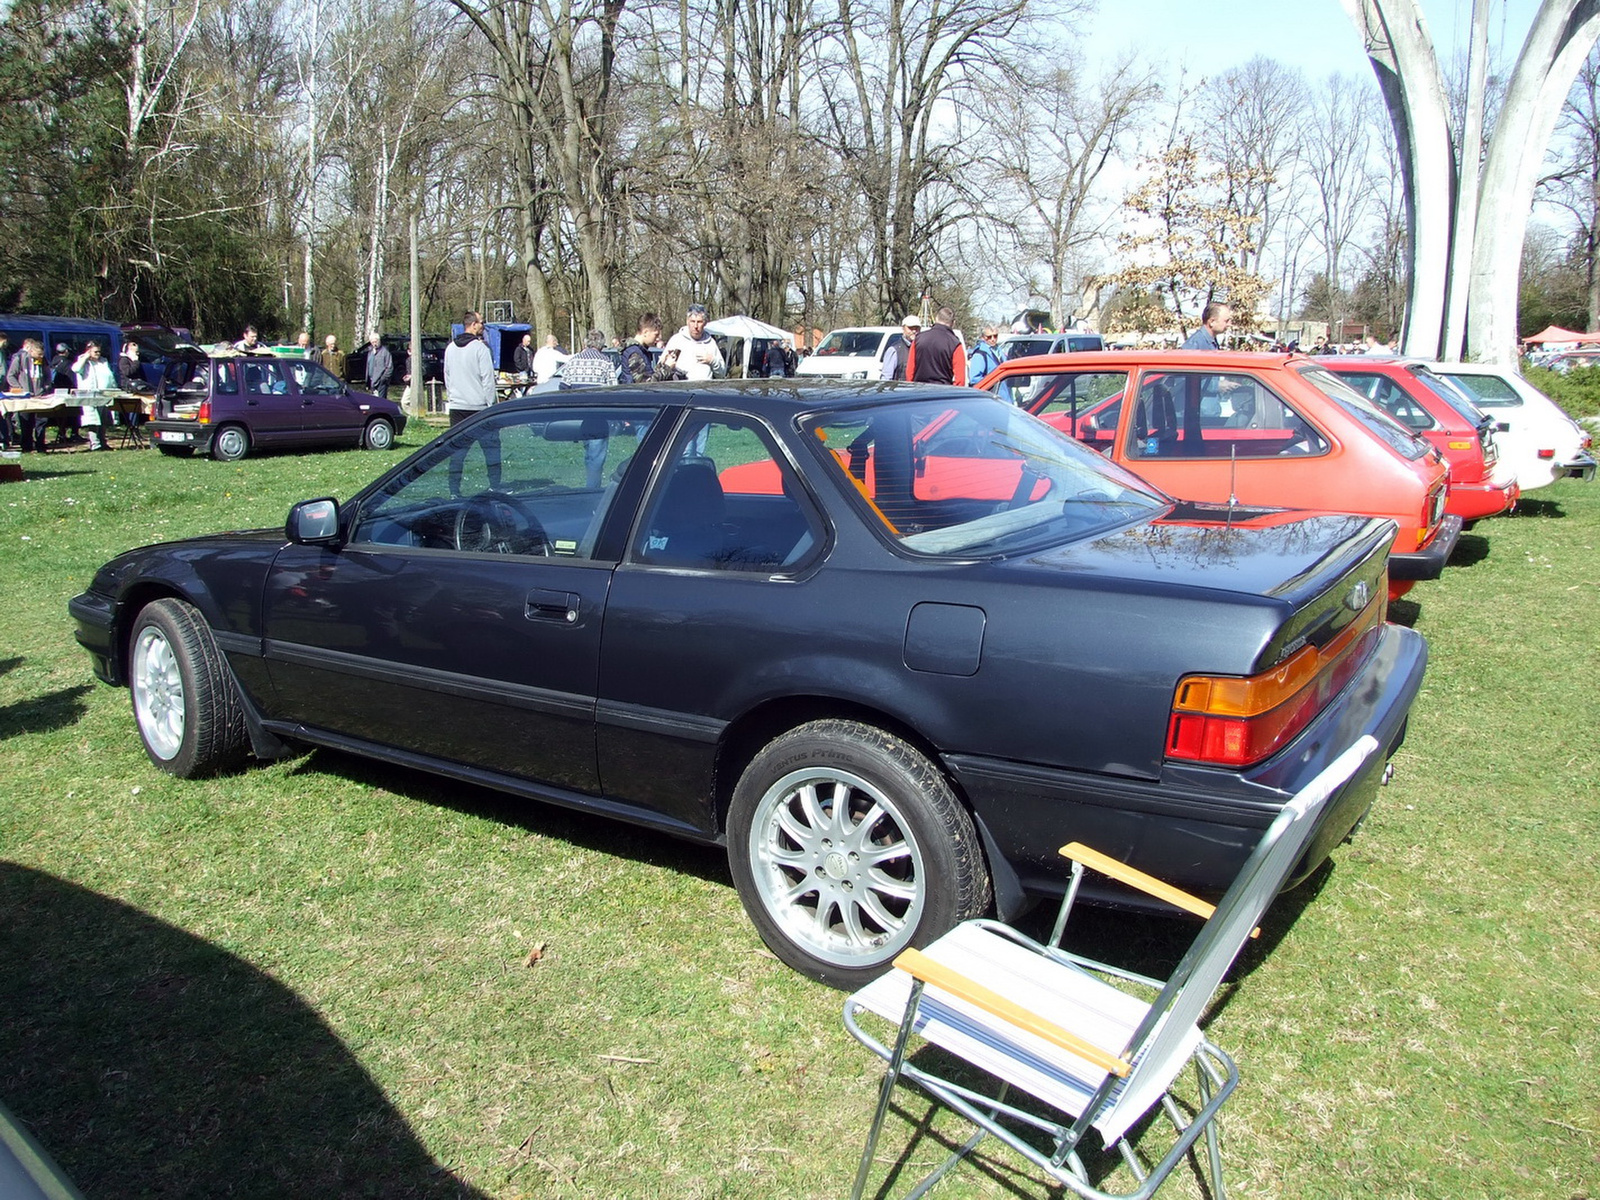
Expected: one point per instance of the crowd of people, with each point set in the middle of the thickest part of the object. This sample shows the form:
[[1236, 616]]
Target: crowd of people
[[30, 374]]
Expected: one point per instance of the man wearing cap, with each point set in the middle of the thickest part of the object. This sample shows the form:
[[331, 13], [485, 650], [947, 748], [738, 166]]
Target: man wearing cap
[[894, 358]]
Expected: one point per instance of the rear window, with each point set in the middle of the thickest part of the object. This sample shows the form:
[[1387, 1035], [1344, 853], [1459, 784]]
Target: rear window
[[1387, 430], [1489, 391], [1456, 398], [974, 479], [851, 343]]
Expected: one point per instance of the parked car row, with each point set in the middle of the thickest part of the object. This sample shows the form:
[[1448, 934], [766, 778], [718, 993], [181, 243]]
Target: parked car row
[[1373, 436]]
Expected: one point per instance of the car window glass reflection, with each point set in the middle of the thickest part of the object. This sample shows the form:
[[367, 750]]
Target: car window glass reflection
[[314, 380], [531, 483], [262, 378], [1215, 414], [727, 502]]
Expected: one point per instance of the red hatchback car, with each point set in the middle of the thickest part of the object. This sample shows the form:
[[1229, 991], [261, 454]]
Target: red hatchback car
[[1429, 407], [1255, 429]]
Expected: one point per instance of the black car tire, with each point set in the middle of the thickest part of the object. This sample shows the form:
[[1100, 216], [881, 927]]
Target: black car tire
[[230, 443], [929, 871], [379, 435], [185, 702]]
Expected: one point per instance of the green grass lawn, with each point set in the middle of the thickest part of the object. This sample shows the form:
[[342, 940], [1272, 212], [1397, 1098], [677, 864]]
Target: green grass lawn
[[320, 977]]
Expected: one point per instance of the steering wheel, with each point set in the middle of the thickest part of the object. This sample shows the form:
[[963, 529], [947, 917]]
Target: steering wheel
[[498, 523]]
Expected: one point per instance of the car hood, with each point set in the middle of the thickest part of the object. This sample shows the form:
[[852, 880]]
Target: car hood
[[1276, 553]]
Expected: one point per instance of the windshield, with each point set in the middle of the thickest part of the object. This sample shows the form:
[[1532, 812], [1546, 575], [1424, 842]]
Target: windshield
[[975, 478], [855, 343], [1027, 347], [1389, 431]]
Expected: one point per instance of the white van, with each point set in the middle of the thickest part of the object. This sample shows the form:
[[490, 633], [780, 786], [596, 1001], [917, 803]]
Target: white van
[[851, 353]]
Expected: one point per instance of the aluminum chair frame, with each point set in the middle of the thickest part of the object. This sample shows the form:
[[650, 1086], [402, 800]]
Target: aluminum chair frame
[[1060, 1031]]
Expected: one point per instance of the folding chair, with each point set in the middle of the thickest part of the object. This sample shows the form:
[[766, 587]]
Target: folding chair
[[1085, 1053]]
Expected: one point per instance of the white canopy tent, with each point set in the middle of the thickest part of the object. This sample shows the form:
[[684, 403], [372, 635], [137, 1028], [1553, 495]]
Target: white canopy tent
[[740, 337]]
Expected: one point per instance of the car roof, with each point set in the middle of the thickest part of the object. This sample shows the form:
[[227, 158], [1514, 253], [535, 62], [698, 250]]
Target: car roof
[[773, 399], [1102, 359]]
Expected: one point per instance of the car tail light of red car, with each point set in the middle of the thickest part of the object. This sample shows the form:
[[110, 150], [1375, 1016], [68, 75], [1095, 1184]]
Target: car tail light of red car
[[1237, 721]]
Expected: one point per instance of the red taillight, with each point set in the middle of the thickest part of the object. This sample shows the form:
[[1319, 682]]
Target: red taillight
[[1547, 454], [1236, 721], [203, 415]]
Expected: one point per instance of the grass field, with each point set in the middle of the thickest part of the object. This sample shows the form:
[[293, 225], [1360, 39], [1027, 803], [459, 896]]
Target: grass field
[[326, 977]]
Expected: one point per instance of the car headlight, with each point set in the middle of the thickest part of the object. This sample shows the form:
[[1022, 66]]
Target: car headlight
[[854, 375]]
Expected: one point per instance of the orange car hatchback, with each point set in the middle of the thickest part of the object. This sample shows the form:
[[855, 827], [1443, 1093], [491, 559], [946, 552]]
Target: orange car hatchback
[[1255, 429]]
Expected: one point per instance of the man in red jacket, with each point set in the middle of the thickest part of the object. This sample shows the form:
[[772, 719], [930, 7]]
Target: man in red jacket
[[937, 355]]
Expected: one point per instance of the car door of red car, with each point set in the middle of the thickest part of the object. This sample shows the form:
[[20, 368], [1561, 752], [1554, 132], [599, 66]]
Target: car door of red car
[[461, 617]]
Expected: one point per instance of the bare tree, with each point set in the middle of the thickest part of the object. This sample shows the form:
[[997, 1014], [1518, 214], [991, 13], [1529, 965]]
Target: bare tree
[[1252, 120], [896, 70], [1337, 144], [1053, 163]]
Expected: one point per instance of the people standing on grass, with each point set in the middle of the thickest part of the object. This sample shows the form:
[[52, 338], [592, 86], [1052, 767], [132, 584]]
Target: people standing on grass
[[937, 355], [380, 366], [29, 374], [898, 353], [93, 373], [699, 356], [332, 358]]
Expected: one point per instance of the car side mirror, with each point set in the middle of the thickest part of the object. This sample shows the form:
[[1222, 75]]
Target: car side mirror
[[313, 522]]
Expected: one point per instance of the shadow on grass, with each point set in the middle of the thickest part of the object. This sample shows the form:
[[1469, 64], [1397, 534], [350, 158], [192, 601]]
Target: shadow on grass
[[591, 831], [1472, 549], [9, 664], [1404, 612], [149, 1062], [40, 714], [1534, 508]]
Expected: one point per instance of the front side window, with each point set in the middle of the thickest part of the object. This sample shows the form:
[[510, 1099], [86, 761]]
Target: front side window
[[537, 482], [726, 500], [1215, 414], [1080, 403], [313, 380], [973, 478]]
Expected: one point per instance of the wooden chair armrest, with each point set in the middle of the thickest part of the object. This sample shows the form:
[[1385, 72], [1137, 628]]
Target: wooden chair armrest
[[919, 966], [1133, 877]]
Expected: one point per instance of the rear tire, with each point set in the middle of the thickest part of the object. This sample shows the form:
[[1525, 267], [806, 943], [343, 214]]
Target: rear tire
[[230, 443], [847, 846], [185, 702]]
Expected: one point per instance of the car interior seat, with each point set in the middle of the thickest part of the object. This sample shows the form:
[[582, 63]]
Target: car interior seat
[[686, 529]]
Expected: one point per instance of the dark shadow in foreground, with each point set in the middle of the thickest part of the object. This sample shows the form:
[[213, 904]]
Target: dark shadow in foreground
[[149, 1062]]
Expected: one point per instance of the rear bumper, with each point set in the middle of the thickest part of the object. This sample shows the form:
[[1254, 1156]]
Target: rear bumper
[[1580, 466], [189, 435], [1474, 501], [1428, 562], [1195, 826]]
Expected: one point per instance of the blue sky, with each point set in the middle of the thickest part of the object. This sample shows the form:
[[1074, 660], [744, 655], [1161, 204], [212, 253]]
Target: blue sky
[[1314, 35]]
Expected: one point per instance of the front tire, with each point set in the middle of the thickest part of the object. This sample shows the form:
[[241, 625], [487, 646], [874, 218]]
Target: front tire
[[379, 435], [847, 846], [185, 702], [230, 444]]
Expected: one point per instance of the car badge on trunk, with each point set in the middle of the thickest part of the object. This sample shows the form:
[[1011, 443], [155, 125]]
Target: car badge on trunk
[[1356, 598]]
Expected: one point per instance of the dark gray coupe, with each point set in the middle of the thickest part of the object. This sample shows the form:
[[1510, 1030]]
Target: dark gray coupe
[[890, 644]]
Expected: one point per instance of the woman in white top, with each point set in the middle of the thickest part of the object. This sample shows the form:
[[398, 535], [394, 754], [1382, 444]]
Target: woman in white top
[[94, 374]]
